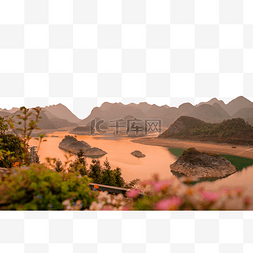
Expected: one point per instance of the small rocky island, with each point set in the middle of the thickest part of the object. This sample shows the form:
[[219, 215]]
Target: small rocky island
[[193, 163], [138, 154], [83, 130], [70, 143]]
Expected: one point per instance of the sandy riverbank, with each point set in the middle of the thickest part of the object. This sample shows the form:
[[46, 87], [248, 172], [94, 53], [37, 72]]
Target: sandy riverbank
[[243, 151]]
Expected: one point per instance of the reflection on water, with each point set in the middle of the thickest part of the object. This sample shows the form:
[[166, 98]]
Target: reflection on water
[[157, 160]]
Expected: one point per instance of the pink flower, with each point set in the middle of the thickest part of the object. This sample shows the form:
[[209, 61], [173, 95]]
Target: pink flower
[[239, 191], [210, 196], [162, 185], [226, 190], [169, 204], [133, 193], [247, 201]]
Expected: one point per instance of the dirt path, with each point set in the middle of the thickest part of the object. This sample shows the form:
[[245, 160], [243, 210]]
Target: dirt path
[[243, 151]]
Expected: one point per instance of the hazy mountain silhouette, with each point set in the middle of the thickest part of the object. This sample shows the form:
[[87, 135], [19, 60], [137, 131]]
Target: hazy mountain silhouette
[[59, 123], [209, 113], [105, 106], [213, 111], [144, 106], [44, 122], [112, 112], [237, 104], [212, 102], [96, 112], [49, 114], [186, 107], [233, 106], [244, 113], [3, 114], [156, 110], [222, 111], [62, 112]]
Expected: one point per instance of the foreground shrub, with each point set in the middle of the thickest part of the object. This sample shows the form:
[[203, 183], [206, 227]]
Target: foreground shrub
[[15, 134], [39, 188], [179, 195], [11, 150], [97, 172], [105, 174], [104, 201]]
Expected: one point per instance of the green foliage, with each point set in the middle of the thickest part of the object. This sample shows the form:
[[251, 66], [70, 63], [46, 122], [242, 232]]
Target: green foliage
[[100, 174], [104, 174], [14, 147], [234, 131], [79, 164], [12, 150], [39, 188], [58, 165], [3, 126]]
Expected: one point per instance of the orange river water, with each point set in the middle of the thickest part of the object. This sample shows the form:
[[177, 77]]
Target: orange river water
[[157, 160]]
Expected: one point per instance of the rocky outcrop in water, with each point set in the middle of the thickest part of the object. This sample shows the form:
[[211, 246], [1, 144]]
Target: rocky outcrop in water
[[70, 143], [94, 152], [83, 130], [193, 163], [138, 154]]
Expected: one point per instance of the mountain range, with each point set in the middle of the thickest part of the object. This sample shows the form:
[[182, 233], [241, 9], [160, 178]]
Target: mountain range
[[212, 111], [52, 117]]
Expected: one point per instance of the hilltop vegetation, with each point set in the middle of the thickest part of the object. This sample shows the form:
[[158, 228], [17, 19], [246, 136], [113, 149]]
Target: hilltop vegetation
[[233, 131]]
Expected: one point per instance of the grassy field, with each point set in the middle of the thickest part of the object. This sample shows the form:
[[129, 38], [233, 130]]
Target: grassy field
[[237, 161]]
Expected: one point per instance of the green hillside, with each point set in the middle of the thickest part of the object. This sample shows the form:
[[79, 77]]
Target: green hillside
[[233, 131]]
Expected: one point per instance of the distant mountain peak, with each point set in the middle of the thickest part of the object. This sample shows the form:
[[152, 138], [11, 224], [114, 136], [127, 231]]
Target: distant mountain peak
[[238, 103], [240, 99], [62, 112], [214, 100], [186, 105]]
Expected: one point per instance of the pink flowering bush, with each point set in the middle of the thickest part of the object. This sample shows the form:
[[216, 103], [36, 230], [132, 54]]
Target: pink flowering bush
[[133, 193], [109, 202], [180, 195], [173, 194]]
